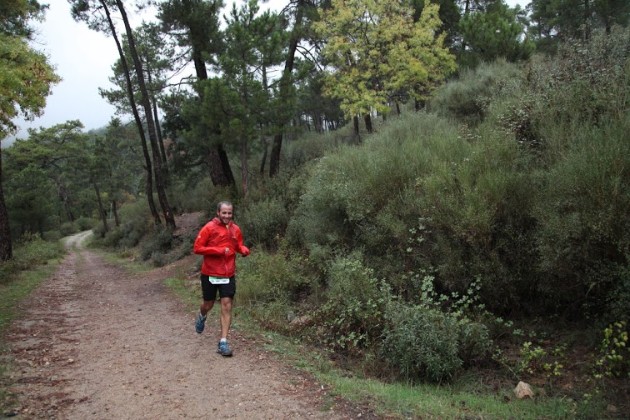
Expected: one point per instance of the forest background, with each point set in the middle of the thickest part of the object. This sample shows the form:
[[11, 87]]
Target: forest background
[[431, 189]]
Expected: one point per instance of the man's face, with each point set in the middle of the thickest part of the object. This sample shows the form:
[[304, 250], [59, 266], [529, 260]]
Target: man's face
[[225, 214]]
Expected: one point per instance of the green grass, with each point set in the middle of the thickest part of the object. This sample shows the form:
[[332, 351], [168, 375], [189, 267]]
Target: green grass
[[431, 401], [182, 290], [32, 263], [400, 400], [15, 291]]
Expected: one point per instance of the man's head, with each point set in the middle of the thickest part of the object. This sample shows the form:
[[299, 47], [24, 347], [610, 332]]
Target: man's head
[[224, 211]]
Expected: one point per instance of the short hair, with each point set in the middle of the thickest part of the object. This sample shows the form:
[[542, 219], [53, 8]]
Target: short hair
[[224, 203]]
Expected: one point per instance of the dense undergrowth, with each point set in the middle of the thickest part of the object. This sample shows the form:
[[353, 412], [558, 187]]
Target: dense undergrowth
[[489, 232], [18, 277]]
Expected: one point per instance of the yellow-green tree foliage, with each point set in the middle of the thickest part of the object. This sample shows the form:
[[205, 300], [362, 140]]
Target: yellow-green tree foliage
[[25, 80], [378, 55]]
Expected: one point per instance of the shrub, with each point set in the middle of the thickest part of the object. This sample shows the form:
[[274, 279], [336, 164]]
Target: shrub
[[433, 201], [352, 317], [156, 244], [618, 300], [614, 360], [67, 229], [182, 247], [84, 223], [158, 259], [265, 278], [52, 235], [274, 316], [421, 343], [30, 251], [348, 198], [310, 147], [468, 98], [585, 83], [135, 223], [194, 194], [132, 232], [584, 230], [111, 238], [474, 341], [569, 108], [265, 222]]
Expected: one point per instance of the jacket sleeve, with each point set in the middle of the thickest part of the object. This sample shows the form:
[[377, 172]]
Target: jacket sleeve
[[200, 246]]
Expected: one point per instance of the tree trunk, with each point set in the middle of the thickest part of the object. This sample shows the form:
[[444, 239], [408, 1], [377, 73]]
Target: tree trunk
[[466, 12], [217, 162], [276, 149], [244, 167], [587, 20], [62, 193], [317, 122], [160, 142], [6, 248], [200, 64], [355, 123], [220, 170], [159, 136], [274, 158], [368, 122], [101, 210], [115, 212], [263, 161], [226, 168], [134, 109], [157, 163], [158, 128]]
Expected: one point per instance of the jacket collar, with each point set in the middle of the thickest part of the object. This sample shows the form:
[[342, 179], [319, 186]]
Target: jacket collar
[[218, 222]]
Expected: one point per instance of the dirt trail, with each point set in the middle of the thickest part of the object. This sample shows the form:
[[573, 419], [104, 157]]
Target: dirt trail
[[95, 342]]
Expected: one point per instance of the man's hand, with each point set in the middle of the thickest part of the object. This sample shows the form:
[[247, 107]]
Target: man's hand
[[244, 251]]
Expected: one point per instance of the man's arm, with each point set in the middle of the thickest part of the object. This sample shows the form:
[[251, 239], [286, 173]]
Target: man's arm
[[242, 249]]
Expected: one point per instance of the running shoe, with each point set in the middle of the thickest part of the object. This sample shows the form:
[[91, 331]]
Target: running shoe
[[224, 349], [200, 324]]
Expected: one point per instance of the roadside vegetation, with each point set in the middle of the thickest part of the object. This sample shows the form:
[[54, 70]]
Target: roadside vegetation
[[34, 261]]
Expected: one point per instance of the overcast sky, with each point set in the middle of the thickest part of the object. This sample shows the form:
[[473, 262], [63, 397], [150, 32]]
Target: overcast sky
[[83, 58]]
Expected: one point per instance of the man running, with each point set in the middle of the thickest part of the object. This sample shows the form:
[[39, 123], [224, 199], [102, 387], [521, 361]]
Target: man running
[[219, 241]]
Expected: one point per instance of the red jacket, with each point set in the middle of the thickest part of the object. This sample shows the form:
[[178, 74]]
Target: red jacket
[[212, 241]]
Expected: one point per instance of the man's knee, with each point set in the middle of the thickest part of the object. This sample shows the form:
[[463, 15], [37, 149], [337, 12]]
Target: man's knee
[[226, 302]]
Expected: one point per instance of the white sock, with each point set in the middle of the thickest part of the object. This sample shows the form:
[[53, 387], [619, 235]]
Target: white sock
[[224, 340]]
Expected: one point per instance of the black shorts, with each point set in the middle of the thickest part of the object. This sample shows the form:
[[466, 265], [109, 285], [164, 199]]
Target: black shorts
[[209, 290]]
